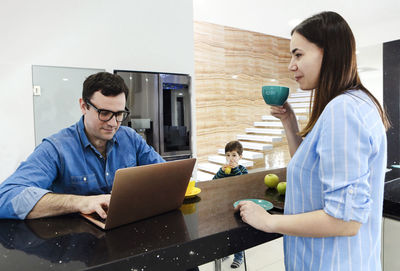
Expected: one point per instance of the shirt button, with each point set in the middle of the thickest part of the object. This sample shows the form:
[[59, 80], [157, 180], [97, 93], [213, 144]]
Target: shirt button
[[84, 179], [106, 173], [350, 191]]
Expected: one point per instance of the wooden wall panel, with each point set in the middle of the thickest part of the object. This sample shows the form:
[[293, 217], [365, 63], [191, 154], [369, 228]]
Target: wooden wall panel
[[231, 66]]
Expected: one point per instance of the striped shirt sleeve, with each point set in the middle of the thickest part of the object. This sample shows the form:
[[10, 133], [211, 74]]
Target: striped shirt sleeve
[[344, 149]]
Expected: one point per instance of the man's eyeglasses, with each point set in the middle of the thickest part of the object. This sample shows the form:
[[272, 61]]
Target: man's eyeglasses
[[106, 115]]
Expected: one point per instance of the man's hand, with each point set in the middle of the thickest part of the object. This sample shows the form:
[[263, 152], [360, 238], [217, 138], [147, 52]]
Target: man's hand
[[53, 204], [98, 204]]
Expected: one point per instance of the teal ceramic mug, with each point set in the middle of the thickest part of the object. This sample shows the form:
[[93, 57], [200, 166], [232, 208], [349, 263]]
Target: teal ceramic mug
[[275, 95]]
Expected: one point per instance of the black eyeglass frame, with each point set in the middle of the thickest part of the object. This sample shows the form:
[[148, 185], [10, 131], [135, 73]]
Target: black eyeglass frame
[[99, 111]]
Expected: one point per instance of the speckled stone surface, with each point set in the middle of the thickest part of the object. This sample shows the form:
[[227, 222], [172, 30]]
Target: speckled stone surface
[[203, 229], [391, 203]]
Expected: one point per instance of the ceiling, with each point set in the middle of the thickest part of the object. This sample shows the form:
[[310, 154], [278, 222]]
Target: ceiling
[[372, 21]]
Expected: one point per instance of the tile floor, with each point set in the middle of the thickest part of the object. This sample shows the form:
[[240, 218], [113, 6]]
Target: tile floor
[[268, 257]]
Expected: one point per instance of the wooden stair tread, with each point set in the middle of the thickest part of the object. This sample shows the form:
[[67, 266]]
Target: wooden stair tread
[[299, 100], [300, 110], [300, 105], [270, 117], [209, 167], [260, 138], [268, 124], [265, 131], [256, 146], [300, 94]]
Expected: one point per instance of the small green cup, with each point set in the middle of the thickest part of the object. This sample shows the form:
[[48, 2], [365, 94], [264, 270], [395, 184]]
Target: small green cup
[[275, 95]]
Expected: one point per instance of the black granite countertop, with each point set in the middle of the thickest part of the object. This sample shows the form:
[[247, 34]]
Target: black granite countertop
[[203, 229], [391, 203]]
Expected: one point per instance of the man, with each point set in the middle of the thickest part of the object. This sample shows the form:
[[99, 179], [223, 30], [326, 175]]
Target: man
[[73, 170]]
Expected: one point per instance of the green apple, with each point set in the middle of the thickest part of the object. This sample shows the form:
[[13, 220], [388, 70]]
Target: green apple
[[271, 180], [228, 170], [281, 187]]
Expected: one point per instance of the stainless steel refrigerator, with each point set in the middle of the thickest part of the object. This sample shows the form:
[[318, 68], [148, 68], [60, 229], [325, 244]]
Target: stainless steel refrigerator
[[160, 111]]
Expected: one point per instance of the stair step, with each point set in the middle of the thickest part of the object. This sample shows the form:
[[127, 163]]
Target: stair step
[[268, 124], [300, 94], [269, 117], [256, 146], [260, 138], [265, 131], [204, 176], [274, 120], [209, 167], [222, 160], [301, 117], [300, 105], [246, 154], [298, 100], [300, 110]]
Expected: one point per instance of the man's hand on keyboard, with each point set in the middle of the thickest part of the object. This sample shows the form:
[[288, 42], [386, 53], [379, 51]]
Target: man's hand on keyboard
[[98, 204]]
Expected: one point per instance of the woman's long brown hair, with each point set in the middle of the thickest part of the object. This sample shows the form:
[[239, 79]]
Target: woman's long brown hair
[[330, 32]]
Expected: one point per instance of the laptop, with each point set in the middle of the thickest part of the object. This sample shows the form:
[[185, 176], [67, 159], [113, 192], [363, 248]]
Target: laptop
[[144, 191]]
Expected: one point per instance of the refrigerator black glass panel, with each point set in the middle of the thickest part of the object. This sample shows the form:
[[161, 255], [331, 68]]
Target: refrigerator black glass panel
[[176, 132], [160, 111]]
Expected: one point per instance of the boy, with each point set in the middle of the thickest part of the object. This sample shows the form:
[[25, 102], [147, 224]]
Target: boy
[[233, 153]]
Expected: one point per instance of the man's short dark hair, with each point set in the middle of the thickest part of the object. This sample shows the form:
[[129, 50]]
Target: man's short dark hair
[[234, 146], [107, 83]]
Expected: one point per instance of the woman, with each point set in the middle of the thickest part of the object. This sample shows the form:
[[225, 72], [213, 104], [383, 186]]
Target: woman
[[335, 179]]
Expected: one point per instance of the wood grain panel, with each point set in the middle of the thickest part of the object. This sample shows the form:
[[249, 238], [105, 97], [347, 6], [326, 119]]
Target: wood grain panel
[[231, 66]]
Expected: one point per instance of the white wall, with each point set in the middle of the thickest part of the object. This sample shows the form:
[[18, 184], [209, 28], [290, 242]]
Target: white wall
[[372, 21], [370, 65], [150, 35]]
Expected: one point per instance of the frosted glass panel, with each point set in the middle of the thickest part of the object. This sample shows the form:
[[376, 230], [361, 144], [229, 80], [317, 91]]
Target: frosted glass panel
[[56, 101]]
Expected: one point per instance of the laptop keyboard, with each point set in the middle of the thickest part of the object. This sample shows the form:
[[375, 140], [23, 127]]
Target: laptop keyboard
[[97, 217]]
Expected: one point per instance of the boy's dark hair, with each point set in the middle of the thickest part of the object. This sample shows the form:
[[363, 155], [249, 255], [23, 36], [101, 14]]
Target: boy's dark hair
[[234, 146], [107, 83]]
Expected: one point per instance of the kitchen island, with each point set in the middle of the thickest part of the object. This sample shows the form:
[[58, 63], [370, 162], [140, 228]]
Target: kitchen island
[[391, 203], [205, 228], [391, 221]]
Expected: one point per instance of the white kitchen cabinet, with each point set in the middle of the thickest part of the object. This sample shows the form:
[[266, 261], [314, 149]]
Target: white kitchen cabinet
[[391, 243]]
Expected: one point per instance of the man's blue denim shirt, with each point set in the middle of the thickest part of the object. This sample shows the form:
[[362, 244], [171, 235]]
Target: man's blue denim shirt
[[68, 163]]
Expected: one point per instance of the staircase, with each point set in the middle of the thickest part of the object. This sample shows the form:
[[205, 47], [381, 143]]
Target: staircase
[[258, 141]]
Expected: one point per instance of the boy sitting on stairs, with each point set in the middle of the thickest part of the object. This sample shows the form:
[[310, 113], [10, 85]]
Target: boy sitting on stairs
[[233, 153]]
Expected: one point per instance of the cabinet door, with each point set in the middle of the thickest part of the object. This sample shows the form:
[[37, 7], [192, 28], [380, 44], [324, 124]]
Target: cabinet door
[[391, 242]]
